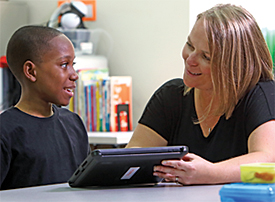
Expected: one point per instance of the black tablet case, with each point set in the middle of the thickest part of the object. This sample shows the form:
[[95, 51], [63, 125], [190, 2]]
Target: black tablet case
[[109, 167]]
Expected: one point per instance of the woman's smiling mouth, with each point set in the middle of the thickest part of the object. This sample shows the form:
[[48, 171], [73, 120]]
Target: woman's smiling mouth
[[193, 73]]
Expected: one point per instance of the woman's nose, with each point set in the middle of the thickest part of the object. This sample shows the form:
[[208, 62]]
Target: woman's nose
[[192, 59]]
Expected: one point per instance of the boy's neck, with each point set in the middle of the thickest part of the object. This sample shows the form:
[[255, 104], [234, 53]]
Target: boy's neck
[[38, 111]]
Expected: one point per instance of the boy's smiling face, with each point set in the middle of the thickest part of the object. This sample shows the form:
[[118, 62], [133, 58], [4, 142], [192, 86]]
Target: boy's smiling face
[[55, 75]]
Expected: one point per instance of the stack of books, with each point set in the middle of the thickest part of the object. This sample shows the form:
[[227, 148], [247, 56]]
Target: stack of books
[[103, 102]]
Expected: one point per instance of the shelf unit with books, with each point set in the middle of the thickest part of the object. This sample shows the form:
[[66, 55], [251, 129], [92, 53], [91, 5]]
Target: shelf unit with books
[[103, 102]]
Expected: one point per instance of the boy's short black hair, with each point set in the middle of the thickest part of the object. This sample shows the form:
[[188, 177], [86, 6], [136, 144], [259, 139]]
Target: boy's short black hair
[[28, 43]]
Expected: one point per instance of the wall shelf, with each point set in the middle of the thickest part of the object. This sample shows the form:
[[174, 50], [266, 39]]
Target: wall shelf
[[109, 138]]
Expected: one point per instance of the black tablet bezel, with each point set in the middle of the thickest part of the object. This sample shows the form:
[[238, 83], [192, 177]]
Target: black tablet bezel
[[106, 167]]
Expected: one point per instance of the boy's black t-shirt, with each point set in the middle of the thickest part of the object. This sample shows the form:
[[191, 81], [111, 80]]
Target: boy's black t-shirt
[[171, 115], [38, 151]]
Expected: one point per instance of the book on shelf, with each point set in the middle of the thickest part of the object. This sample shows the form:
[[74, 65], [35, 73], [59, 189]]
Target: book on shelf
[[85, 77], [121, 103], [103, 102]]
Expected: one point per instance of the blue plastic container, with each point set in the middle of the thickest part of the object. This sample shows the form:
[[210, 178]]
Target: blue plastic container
[[245, 192]]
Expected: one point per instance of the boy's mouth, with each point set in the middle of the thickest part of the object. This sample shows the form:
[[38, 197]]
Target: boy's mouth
[[69, 90]]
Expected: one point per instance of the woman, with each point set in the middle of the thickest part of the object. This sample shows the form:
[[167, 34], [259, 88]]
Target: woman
[[224, 107]]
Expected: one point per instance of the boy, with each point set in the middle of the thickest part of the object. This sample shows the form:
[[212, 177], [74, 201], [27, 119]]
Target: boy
[[41, 143]]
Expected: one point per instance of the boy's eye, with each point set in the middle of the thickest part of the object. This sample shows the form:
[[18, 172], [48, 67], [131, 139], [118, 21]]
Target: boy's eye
[[64, 65]]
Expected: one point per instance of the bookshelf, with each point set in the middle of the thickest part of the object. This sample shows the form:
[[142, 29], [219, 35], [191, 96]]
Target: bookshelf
[[109, 138], [103, 102]]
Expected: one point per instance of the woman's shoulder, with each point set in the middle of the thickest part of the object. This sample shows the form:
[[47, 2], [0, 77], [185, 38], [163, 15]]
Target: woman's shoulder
[[266, 88], [175, 84], [171, 92], [261, 96]]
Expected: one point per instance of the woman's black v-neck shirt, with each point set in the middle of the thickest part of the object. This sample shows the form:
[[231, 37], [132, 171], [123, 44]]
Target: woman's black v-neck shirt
[[171, 115]]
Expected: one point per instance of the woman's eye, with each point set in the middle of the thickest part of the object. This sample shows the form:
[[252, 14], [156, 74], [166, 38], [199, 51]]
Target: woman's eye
[[189, 45], [206, 57]]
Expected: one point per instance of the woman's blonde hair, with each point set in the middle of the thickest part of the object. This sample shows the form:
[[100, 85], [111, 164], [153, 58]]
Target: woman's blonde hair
[[239, 54]]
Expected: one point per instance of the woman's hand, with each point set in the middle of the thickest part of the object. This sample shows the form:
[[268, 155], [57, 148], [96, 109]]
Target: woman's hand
[[192, 169]]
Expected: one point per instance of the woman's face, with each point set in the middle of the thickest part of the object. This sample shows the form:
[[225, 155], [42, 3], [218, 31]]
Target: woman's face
[[196, 57]]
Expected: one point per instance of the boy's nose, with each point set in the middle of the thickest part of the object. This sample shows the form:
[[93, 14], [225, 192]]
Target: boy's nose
[[74, 76]]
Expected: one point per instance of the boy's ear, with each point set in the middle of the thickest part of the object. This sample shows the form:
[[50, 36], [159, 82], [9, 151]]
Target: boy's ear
[[29, 70]]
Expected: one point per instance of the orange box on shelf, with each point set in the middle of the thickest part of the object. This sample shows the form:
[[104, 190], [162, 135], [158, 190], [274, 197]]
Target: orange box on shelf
[[121, 103], [91, 4]]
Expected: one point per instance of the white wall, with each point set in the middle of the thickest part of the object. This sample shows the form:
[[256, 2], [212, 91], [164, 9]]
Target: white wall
[[8, 25], [148, 37]]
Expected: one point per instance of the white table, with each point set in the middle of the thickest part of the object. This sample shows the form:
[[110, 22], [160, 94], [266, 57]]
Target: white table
[[109, 138], [162, 192]]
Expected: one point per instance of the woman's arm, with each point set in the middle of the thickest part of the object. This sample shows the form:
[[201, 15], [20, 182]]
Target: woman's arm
[[195, 170], [145, 137]]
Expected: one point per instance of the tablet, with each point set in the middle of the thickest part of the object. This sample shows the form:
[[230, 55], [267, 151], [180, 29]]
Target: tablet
[[124, 166]]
